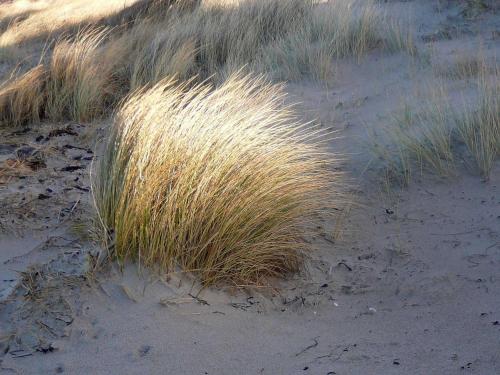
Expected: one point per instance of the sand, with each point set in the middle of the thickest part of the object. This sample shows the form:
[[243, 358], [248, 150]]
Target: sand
[[412, 286]]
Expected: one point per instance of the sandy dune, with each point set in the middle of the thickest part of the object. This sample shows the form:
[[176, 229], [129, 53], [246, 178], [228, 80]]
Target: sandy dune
[[412, 286]]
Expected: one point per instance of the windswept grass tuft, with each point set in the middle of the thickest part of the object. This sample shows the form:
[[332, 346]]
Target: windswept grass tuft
[[78, 85], [73, 84], [222, 182], [22, 98]]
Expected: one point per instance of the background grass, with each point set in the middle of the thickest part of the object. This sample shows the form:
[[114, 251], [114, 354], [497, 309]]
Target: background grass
[[284, 39], [430, 136]]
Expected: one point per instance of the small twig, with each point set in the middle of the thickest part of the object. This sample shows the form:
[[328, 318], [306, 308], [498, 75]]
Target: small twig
[[308, 347], [346, 349], [104, 290], [76, 204], [199, 300], [346, 266], [491, 246], [327, 239]]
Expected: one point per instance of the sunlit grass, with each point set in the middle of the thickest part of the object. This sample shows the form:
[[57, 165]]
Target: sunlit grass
[[72, 84], [221, 182], [79, 83]]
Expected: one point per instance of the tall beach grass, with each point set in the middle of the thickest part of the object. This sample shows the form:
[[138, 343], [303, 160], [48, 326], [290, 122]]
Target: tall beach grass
[[221, 182]]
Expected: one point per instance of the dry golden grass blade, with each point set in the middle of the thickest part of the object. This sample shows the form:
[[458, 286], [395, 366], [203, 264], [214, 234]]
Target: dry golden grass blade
[[221, 182]]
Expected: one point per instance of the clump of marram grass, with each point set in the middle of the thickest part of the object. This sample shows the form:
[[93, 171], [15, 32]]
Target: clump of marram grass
[[222, 182], [332, 30], [72, 84], [479, 127], [22, 98], [462, 67], [430, 138], [420, 140]]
